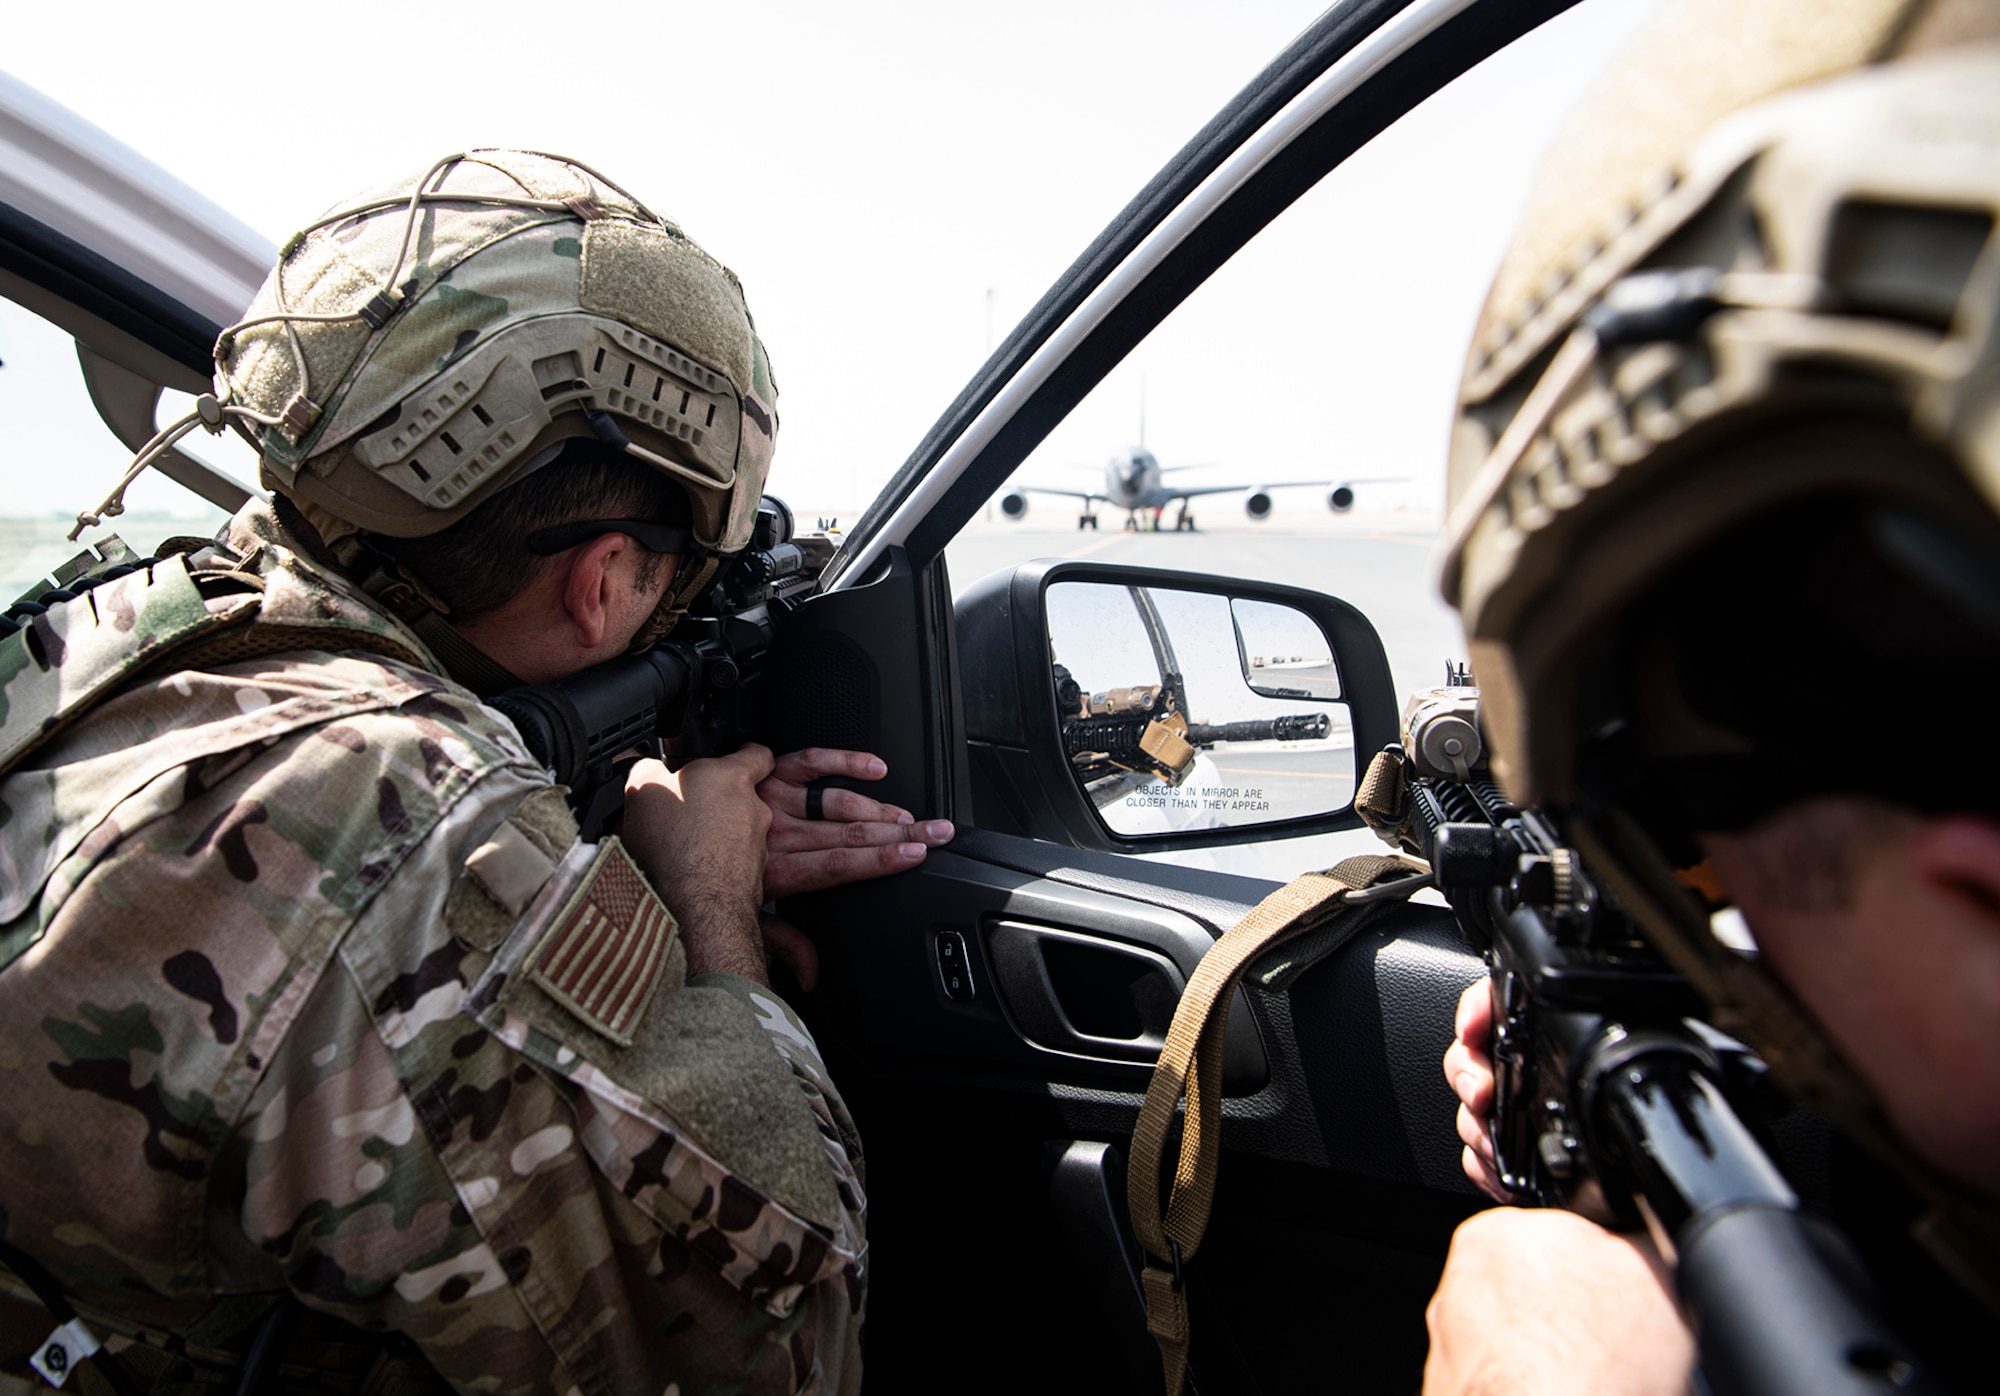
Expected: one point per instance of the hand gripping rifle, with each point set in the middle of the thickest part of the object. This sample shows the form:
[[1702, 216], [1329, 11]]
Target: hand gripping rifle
[[1612, 1097], [698, 693]]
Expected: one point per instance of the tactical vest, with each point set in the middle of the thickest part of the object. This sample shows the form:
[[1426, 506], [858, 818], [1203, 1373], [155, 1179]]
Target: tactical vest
[[112, 619], [115, 616]]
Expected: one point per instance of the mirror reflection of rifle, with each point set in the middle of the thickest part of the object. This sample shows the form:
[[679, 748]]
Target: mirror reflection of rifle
[[697, 693], [1611, 1096], [1145, 729]]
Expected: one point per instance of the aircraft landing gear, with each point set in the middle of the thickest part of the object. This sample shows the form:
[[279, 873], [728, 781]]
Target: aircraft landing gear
[[1131, 523], [1084, 521], [1184, 521]]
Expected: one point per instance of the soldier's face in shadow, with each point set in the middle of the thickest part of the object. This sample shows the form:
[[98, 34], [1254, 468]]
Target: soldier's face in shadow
[[1885, 923]]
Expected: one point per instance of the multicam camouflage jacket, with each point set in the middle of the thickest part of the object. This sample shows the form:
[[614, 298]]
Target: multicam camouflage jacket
[[310, 988]]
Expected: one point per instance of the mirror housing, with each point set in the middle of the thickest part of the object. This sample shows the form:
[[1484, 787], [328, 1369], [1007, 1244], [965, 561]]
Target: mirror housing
[[1022, 780]]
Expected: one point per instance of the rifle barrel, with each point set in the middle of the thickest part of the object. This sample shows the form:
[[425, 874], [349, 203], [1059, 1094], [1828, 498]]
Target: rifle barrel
[[1299, 727]]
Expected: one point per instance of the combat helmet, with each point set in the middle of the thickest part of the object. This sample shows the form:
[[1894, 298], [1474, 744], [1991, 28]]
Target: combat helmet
[[423, 345], [1760, 276]]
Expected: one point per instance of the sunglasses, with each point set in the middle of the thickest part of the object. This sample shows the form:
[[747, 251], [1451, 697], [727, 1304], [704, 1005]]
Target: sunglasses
[[654, 537]]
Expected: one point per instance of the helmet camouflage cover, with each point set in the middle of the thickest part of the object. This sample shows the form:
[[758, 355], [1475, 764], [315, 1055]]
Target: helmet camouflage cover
[[1829, 250], [420, 345]]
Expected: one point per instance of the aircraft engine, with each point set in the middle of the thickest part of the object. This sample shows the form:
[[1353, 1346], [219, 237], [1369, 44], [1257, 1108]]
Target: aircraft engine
[[1014, 504], [1257, 505], [1341, 500]]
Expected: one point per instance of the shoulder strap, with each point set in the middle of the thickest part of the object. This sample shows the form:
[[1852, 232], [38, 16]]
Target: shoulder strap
[[61, 662], [1190, 1068]]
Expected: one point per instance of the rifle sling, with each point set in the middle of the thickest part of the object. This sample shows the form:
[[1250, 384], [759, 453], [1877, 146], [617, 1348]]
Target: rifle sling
[[1190, 1068], [463, 660]]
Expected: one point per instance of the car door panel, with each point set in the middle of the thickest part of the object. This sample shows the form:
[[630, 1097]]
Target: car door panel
[[964, 1114], [1064, 983], [852, 670], [1349, 1054]]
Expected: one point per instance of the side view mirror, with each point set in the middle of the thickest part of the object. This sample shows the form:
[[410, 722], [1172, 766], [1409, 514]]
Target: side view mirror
[[1134, 709]]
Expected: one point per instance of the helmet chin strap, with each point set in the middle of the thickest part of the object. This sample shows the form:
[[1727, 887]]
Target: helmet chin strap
[[401, 592], [423, 610], [469, 664]]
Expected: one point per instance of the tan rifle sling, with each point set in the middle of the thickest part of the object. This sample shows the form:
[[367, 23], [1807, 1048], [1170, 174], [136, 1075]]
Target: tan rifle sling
[[1334, 903]]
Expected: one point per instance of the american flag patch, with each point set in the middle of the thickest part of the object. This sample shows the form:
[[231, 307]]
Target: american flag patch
[[603, 960]]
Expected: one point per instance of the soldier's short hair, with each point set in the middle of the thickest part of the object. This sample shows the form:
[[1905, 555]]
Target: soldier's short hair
[[483, 561]]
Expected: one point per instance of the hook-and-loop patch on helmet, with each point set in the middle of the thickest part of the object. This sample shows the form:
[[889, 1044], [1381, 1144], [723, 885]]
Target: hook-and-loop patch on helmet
[[417, 347], [1827, 254]]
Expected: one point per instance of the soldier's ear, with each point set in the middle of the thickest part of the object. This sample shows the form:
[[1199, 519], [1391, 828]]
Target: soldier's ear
[[1959, 854], [587, 586]]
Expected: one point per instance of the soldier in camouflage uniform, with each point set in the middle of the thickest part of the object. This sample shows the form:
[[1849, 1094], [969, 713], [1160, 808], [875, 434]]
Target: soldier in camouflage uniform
[[310, 988]]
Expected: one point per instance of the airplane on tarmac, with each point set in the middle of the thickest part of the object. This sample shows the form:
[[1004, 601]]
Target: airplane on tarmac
[[1134, 482]]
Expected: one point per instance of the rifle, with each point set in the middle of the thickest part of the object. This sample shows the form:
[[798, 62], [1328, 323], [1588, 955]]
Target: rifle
[[697, 693], [1144, 729], [1612, 1097]]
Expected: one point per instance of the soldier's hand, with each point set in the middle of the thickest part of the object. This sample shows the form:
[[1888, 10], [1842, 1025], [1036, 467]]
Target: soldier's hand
[[853, 839], [1469, 1069], [699, 834], [1545, 1301]]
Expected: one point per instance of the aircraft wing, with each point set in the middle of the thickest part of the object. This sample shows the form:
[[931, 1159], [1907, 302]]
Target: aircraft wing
[[1173, 492], [1085, 495], [1323, 481]]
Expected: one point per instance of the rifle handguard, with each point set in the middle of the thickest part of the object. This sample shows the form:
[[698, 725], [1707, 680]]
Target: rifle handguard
[[576, 725]]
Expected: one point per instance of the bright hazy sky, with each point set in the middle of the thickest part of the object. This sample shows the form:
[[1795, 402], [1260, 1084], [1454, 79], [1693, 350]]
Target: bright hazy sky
[[889, 180]]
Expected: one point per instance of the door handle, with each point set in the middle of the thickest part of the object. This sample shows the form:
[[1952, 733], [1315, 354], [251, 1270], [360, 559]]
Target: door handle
[[1088, 996], [1082, 994]]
